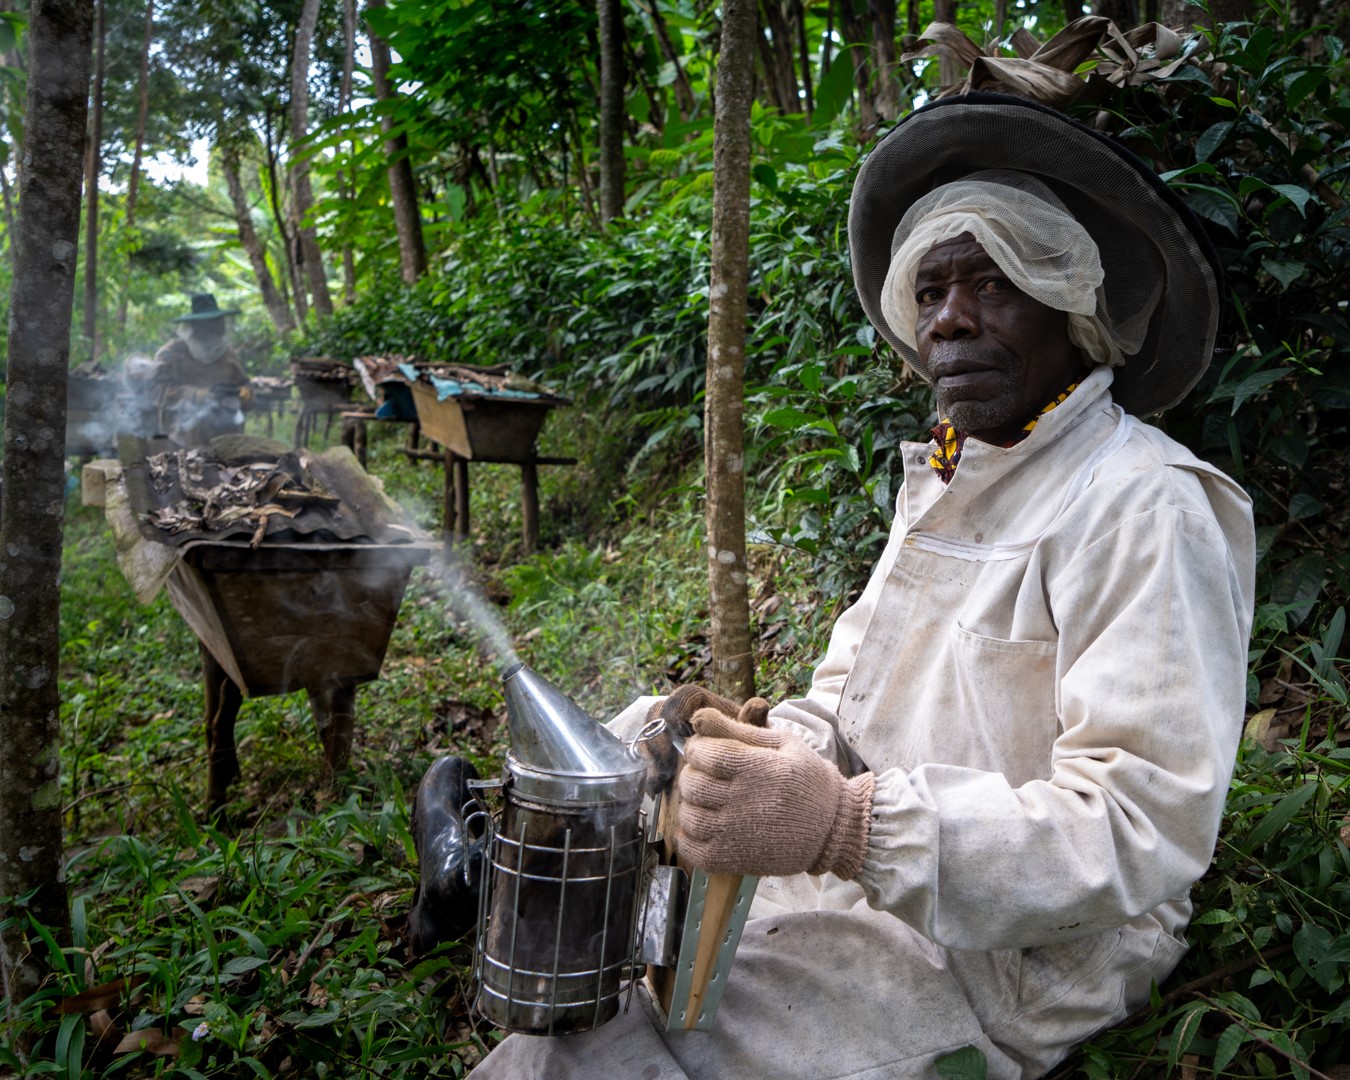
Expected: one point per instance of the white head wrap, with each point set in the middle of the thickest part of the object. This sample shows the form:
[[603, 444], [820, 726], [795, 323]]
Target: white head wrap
[[1031, 237]]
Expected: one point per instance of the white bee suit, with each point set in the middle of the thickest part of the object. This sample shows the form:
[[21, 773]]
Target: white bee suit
[[1046, 673]]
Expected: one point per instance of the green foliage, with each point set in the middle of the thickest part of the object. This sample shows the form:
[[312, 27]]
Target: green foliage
[[1255, 142]]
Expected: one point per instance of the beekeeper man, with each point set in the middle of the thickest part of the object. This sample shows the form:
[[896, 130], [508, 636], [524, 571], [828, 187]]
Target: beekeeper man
[[196, 381], [1041, 688]]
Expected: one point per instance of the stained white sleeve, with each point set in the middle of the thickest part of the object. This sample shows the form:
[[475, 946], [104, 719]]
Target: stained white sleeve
[[1153, 619]]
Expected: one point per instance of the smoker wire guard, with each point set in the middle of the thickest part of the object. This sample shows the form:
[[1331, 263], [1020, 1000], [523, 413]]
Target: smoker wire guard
[[656, 928]]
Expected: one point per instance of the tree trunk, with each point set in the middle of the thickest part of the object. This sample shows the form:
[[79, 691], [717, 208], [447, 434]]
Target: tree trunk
[[684, 93], [32, 514], [93, 166], [884, 58], [949, 71], [804, 53], [9, 212], [275, 303], [303, 193], [733, 668], [291, 268], [613, 78], [780, 25], [142, 113], [856, 33], [1073, 9], [1124, 13], [412, 252], [347, 182]]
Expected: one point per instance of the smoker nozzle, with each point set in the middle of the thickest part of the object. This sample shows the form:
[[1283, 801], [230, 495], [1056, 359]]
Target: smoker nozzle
[[551, 733]]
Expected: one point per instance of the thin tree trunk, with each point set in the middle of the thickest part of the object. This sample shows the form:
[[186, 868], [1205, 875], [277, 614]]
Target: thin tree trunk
[[275, 303], [1073, 9], [912, 27], [9, 212], [291, 266], [613, 78], [788, 89], [733, 668], [32, 515], [773, 85], [684, 93], [884, 58], [583, 177], [93, 166], [828, 44], [412, 252], [300, 185], [346, 181], [142, 114], [799, 19], [949, 71], [856, 34]]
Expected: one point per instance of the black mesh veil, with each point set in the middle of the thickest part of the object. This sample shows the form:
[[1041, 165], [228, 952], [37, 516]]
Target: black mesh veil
[[1162, 277]]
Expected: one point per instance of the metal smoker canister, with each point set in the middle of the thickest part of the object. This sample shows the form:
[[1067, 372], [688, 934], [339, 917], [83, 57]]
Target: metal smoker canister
[[556, 935]]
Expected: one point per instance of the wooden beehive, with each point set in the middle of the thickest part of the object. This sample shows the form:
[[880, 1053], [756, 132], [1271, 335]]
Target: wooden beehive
[[482, 428], [288, 617]]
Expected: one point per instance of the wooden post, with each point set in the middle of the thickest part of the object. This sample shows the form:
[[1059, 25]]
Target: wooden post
[[448, 517], [529, 499], [334, 709], [223, 699], [461, 497]]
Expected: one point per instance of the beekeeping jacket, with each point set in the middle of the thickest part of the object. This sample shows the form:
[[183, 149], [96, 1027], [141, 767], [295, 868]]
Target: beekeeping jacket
[[1046, 673], [196, 401]]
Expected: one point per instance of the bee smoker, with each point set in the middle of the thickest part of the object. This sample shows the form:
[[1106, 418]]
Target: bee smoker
[[558, 910], [582, 891]]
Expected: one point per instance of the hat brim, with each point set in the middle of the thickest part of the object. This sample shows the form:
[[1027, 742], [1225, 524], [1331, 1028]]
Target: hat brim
[[202, 316], [1143, 230]]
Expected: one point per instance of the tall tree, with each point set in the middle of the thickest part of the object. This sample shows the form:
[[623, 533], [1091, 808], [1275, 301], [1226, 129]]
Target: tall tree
[[733, 668], [94, 166], [142, 117], [32, 513], [277, 308], [612, 80], [302, 191], [345, 180], [412, 252], [884, 60]]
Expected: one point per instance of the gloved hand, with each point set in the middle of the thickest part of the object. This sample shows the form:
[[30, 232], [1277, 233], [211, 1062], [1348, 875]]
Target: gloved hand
[[760, 801], [246, 397], [679, 707]]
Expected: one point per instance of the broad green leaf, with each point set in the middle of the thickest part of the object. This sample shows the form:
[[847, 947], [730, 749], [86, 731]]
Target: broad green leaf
[[835, 89], [1304, 506], [1227, 1047], [1279, 816], [968, 1063], [1299, 196], [1297, 585], [1212, 138]]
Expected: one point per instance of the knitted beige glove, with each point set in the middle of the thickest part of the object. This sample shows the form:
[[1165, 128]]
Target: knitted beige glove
[[679, 707], [760, 801]]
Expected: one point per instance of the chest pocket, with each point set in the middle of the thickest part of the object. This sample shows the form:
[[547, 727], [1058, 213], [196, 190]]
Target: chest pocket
[[1001, 698]]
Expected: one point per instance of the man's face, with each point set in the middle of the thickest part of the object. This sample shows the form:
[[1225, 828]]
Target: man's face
[[994, 355]]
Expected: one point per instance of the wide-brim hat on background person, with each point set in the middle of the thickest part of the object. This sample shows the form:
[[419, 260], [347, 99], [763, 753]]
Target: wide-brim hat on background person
[[1163, 283], [204, 307]]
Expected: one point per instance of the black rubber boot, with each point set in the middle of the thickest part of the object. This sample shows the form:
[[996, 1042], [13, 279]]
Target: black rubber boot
[[449, 861]]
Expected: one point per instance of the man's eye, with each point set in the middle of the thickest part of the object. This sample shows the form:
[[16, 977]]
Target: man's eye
[[996, 284], [928, 296]]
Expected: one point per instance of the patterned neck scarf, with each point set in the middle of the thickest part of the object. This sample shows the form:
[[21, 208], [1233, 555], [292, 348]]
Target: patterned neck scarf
[[950, 442]]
